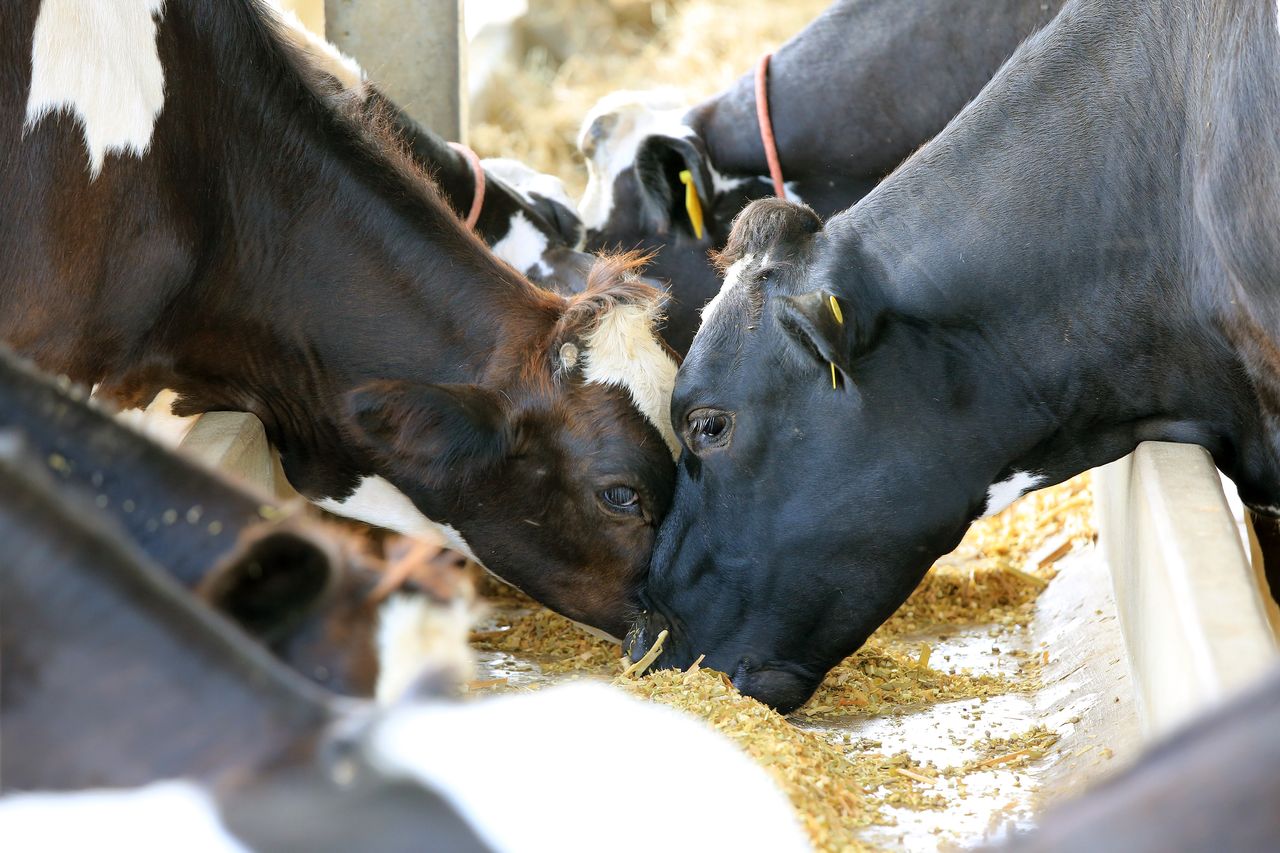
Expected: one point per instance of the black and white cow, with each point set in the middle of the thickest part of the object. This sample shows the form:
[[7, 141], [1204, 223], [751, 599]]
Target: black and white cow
[[1086, 258], [851, 95], [186, 208], [189, 736], [525, 216], [302, 588]]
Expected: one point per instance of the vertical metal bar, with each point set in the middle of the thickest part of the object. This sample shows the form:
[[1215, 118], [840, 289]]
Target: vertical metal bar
[[413, 51]]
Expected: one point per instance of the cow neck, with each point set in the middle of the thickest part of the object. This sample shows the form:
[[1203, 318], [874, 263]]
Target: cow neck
[[330, 262], [1062, 258], [857, 106]]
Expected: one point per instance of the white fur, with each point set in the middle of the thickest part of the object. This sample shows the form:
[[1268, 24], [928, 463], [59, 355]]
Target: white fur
[[414, 633], [376, 501], [97, 59], [721, 184], [639, 115], [623, 350], [1001, 494], [525, 180], [159, 818], [585, 748], [456, 542], [324, 54], [731, 278], [523, 246], [158, 422]]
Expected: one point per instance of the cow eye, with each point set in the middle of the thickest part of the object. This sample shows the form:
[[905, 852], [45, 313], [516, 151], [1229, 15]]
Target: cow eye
[[621, 499], [707, 429]]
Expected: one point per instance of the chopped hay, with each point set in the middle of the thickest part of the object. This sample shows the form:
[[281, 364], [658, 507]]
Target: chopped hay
[[992, 579]]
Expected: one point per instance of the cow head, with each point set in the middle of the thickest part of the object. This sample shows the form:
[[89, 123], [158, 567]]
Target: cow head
[[533, 225], [315, 600], [832, 450], [570, 433], [637, 147]]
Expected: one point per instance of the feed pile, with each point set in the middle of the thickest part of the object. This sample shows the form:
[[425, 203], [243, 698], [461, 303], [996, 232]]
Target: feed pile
[[839, 786]]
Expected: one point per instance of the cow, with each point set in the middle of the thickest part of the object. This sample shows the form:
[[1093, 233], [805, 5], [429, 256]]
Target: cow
[[850, 96], [1083, 260], [1212, 785], [310, 593], [189, 735], [187, 208], [526, 217]]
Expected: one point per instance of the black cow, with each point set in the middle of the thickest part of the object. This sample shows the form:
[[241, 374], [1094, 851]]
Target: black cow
[[851, 95], [185, 208], [1086, 258]]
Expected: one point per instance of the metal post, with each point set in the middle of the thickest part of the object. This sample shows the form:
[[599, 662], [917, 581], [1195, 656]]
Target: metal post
[[413, 51]]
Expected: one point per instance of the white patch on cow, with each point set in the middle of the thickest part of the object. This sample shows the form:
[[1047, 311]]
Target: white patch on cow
[[158, 818], [457, 543], [375, 501], [523, 246], [158, 422], [570, 734], [525, 180], [1001, 494], [623, 350], [792, 195], [414, 635], [99, 61], [637, 115], [722, 184], [324, 54], [731, 278]]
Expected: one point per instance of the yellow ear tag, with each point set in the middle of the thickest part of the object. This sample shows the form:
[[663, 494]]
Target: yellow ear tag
[[835, 309], [691, 202]]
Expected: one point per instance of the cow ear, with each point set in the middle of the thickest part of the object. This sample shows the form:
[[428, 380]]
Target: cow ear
[[827, 328], [270, 582], [441, 431], [675, 183]]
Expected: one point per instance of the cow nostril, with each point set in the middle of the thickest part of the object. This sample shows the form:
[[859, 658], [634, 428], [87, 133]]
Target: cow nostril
[[634, 641]]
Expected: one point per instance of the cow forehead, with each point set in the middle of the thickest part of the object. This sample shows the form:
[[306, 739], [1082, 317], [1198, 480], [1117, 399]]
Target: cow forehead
[[623, 350], [612, 133], [99, 62]]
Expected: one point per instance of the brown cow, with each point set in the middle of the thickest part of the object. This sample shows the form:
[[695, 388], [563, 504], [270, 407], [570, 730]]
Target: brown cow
[[186, 209]]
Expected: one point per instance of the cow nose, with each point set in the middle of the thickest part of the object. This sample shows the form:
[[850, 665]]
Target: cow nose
[[644, 633], [783, 690]]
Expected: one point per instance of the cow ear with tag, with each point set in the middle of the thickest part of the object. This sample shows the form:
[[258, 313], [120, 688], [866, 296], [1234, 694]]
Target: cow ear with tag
[[271, 581], [675, 184], [436, 431], [828, 329]]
